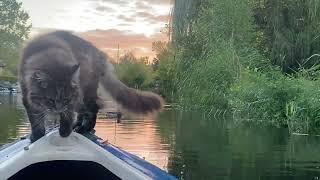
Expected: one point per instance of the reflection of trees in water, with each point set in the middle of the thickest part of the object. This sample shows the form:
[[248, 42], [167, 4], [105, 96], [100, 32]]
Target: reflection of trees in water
[[198, 148], [11, 117], [303, 154], [204, 149], [198, 143]]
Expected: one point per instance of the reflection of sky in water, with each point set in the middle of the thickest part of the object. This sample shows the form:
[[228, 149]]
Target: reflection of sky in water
[[138, 136], [192, 147]]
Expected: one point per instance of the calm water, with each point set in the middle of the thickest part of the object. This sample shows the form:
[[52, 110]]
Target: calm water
[[191, 147]]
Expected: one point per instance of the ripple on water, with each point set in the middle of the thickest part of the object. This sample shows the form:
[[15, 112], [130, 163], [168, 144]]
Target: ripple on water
[[191, 148]]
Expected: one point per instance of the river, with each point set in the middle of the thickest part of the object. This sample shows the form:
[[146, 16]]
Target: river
[[190, 146]]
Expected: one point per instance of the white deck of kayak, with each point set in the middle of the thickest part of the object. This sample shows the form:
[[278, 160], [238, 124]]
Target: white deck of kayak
[[75, 147]]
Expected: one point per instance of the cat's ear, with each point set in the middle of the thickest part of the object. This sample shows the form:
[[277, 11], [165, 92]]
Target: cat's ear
[[75, 68]]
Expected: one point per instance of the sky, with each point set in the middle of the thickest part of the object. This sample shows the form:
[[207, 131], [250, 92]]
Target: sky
[[133, 24]]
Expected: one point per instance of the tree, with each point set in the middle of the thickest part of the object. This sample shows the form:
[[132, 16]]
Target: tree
[[134, 72], [14, 29], [290, 31], [165, 68]]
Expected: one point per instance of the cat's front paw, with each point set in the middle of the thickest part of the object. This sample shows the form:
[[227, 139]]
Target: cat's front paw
[[78, 126], [85, 123], [79, 129], [82, 129], [65, 131], [34, 137]]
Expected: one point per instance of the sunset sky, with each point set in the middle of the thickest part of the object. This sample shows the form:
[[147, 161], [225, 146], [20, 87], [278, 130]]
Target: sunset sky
[[133, 24]]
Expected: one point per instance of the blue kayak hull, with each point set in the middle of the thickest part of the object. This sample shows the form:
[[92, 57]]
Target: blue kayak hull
[[139, 165]]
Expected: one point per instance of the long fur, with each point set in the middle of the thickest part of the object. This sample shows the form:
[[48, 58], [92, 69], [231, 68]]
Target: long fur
[[58, 55], [131, 99]]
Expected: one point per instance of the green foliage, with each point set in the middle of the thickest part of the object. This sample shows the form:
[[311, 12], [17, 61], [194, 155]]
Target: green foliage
[[274, 99], [11, 79], [165, 70], [205, 83], [232, 55], [288, 32], [14, 29], [235, 55], [134, 72], [210, 55], [10, 58], [184, 13], [262, 97]]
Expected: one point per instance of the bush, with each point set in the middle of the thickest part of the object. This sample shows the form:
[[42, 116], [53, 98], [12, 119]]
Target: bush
[[258, 59], [210, 56], [134, 72], [165, 71], [205, 83], [275, 99]]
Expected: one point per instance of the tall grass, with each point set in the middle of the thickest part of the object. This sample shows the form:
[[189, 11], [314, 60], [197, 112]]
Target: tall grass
[[274, 99], [234, 55]]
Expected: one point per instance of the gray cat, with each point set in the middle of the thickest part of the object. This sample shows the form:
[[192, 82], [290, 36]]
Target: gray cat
[[59, 75]]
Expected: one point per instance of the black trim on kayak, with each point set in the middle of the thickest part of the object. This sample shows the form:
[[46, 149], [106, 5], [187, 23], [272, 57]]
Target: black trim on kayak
[[69, 170]]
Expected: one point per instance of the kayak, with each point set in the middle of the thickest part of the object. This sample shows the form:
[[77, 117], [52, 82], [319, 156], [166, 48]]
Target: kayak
[[75, 157]]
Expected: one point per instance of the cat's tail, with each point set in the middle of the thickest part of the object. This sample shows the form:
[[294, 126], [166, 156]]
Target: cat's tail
[[131, 99]]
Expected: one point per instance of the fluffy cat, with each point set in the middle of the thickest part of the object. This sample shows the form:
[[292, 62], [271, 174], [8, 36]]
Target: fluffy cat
[[59, 75]]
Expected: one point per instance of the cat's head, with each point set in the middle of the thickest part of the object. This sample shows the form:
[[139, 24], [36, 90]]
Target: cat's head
[[54, 86]]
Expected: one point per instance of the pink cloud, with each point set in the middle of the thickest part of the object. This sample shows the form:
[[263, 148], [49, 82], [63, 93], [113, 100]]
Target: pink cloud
[[108, 41]]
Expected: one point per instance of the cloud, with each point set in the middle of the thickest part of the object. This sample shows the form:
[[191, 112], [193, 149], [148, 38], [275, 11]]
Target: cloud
[[127, 19], [160, 18], [140, 5], [157, 2], [108, 41], [152, 18], [123, 24], [105, 9], [125, 2], [136, 16], [143, 16], [119, 2]]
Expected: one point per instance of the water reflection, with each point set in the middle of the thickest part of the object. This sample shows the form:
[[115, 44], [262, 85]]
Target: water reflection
[[192, 147], [135, 134], [206, 149], [11, 118], [138, 136]]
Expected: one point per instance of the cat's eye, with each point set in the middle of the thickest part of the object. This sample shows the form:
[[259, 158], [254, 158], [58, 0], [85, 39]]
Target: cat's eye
[[51, 102], [66, 101]]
